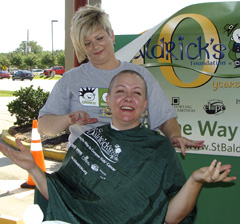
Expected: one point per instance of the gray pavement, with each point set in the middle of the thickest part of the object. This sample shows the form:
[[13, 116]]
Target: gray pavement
[[14, 200], [5, 118], [8, 84]]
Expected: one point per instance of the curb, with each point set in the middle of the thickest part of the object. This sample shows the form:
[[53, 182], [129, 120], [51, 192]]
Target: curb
[[48, 153], [4, 219]]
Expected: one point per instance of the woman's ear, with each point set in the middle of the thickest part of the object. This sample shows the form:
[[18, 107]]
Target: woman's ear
[[145, 105], [107, 99], [113, 36]]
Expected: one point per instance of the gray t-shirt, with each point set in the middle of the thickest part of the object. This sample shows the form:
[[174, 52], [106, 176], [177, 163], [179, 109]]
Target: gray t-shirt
[[85, 87]]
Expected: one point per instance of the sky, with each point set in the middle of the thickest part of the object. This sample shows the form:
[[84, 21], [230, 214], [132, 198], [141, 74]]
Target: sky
[[23, 20]]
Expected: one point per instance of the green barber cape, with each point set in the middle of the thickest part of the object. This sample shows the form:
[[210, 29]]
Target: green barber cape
[[115, 177]]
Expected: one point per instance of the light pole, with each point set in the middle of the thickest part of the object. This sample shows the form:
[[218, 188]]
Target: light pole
[[52, 40]]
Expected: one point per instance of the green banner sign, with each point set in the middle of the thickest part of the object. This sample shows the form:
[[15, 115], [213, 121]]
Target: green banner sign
[[195, 56]]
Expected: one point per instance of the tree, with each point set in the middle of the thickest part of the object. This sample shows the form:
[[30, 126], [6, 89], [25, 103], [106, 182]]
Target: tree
[[46, 59], [31, 60], [61, 57], [17, 60], [31, 46], [31, 54], [35, 48], [22, 48], [4, 60]]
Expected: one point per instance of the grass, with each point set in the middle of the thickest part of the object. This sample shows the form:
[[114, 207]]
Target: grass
[[56, 77], [6, 93]]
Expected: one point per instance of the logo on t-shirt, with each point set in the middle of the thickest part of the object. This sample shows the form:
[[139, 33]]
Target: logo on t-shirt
[[90, 96]]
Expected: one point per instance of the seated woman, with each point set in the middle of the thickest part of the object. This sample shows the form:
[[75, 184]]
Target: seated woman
[[120, 172]]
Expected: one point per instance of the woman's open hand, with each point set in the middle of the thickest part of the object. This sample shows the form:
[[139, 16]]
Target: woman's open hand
[[216, 172], [81, 118], [22, 157]]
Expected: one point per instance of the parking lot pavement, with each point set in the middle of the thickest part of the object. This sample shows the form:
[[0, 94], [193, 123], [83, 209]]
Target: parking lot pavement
[[14, 200], [8, 84], [6, 120]]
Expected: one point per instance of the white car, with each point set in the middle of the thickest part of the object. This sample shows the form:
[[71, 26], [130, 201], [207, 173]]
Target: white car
[[37, 72]]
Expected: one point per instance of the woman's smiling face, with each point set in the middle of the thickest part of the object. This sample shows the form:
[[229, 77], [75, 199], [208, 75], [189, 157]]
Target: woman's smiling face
[[99, 47], [127, 100]]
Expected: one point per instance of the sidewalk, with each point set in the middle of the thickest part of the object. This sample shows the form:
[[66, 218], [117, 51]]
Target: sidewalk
[[6, 120], [14, 200]]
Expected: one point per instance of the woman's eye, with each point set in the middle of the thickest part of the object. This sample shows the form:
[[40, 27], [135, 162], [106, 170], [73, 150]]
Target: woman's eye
[[99, 38], [87, 43], [138, 93], [119, 91]]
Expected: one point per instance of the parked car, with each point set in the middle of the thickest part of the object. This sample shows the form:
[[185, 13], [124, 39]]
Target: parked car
[[37, 72], [59, 70], [4, 74], [22, 74], [13, 72]]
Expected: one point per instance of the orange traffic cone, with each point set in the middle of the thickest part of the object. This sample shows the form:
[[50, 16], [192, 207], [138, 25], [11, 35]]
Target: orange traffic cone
[[37, 152]]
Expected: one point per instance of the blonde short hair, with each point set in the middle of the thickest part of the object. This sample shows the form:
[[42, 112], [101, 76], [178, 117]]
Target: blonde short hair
[[85, 21]]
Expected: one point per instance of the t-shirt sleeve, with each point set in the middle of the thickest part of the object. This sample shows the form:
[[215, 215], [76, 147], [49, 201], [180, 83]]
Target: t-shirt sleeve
[[58, 101]]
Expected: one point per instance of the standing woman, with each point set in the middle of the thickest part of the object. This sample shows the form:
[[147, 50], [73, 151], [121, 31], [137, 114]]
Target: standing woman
[[78, 98]]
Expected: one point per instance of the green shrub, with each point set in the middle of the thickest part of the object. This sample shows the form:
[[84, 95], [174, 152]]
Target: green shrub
[[27, 104]]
